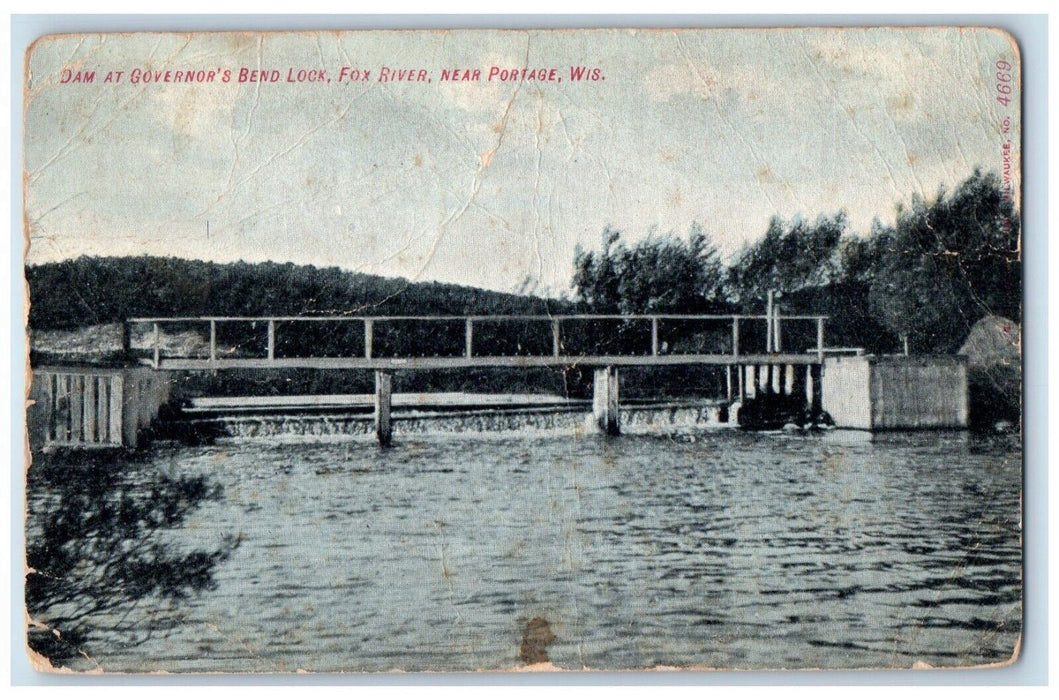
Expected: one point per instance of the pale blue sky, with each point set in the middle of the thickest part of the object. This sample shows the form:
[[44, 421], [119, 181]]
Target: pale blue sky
[[487, 183]]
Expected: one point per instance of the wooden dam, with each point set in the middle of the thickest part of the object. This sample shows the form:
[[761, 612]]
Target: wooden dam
[[95, 407]]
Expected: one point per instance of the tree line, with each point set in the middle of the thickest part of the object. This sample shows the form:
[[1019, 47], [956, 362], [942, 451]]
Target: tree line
[[97, 290], [928, 277], [925, 279]]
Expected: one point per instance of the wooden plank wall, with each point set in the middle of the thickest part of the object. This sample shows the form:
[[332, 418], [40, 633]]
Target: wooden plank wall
[[84, 407], [897, 392], [919, 392]]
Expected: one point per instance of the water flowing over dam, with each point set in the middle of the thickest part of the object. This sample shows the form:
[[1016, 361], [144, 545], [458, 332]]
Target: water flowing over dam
[[454, 413]]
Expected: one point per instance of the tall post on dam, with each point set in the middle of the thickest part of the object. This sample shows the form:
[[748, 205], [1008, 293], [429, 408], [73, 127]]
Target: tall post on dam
[[605, 400], [816, 395], [383, 400]]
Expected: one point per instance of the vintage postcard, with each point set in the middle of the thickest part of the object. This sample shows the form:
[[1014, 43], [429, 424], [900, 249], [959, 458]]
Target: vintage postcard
[[464, 350]]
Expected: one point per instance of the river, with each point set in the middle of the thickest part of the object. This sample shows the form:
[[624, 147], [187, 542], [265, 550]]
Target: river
[[701, 548]]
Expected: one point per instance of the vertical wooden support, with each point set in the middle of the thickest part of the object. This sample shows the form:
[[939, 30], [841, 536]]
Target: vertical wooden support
[[654, 336], [213, 342], [768, 323], [369, 337], [77, 407], [776, 379], [740, 370], [963, 410], [751, 381], [735, 336], [816, 402], [764, 379], [158, 343], [62, 403], [50, 411], [103, 399], [271, 339], [468, 336], [788, 380], [126, 337], [728, 380], [383, 397], [89, 429], [820, 340], [130, 410], [605, 400], [117, 392], [555, 337], [777, 336]]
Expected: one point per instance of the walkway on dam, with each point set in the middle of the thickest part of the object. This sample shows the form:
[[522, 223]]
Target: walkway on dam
[[542, 341], [752, 345]]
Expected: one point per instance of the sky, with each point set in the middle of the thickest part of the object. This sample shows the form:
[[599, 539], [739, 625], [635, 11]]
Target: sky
[[494, 183]]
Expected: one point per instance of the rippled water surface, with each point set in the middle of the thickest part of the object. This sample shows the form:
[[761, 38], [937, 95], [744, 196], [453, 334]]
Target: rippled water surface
[[713, 549]]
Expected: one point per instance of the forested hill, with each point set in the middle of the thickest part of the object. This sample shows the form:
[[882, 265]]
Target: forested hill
[[91, 290]]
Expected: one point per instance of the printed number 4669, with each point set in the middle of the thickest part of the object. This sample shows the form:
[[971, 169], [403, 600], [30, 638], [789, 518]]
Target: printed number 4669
[[1003, 86]]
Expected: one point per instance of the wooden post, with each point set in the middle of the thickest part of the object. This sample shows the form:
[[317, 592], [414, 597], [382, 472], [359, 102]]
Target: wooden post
[[817, 400], [130, 410], [777, 337], [555, 337], [157, 345], [271, 339], [90, 409], [61, 410], [735, 336], [103, 399], [383, 396], [742, 382], [809, 385], [728, 380], [820, 340], [788, 380], [468, 335], [50, 406], [126, 337], [751, 381], [369, 331], [654, 336], [605, 400], [77, 387], [62, 400], [213, 342], [768, 323], [117, 409]]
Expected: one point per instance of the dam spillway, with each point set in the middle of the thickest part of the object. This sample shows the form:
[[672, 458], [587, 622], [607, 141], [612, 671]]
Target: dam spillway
[[351, 416]]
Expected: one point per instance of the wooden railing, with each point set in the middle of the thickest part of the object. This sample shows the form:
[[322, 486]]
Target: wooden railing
[[654, 353]]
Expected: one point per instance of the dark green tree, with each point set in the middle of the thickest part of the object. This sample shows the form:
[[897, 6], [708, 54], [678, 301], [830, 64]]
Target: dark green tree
[[947, 263], [656, 275], [98, 550], [792, 256]]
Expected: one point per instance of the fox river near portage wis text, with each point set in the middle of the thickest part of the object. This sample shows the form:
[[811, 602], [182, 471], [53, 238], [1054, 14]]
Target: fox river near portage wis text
[[712, 548]]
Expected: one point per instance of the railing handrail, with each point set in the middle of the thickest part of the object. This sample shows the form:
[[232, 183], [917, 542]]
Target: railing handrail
[[479, 317], [469, 321]]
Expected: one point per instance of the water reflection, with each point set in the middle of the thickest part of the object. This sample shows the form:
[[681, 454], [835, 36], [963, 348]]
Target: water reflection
[[99, 555]]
